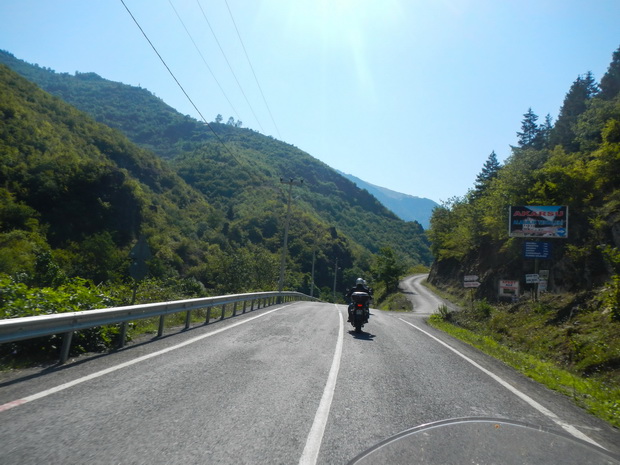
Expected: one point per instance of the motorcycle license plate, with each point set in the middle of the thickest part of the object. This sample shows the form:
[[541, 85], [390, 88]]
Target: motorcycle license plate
[[359, 311]]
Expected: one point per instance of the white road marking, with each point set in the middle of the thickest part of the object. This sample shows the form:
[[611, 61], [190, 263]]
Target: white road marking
[[313, 442], [570, 428], [62, 387]]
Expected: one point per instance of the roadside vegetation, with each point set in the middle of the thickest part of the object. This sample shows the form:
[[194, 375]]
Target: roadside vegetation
[[570, 343], [569, 338]]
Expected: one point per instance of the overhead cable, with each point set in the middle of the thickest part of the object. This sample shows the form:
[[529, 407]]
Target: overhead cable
[[203, 59], [219, 139], [252, 68], [229, 65]]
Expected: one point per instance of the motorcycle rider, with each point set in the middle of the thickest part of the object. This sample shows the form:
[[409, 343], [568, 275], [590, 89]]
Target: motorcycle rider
[[360, 286]]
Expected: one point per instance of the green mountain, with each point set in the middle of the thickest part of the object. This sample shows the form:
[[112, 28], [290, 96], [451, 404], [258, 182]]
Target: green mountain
[[211, 204], [406, 207]]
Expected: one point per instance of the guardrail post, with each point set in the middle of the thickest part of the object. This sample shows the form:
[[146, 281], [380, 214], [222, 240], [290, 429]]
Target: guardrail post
[[123, 335], [66, 345], [63, 325], [160, 331]]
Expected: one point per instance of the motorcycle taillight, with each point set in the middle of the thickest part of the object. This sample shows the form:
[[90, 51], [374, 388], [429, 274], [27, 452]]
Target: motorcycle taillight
[[360, 305]]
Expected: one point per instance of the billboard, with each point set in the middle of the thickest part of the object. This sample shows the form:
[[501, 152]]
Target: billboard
[[538, 221]]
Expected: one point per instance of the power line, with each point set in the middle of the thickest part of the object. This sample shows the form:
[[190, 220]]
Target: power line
[[229, 65], [252, 68], [203, 60], [219, 139]]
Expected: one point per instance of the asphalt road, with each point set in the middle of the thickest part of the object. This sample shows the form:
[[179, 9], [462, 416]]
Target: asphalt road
[[282, 385]]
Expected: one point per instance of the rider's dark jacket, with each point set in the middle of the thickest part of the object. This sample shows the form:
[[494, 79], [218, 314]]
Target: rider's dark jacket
[[358, 288]]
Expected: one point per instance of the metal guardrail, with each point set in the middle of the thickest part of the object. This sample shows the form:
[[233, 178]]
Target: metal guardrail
[[19, 329]]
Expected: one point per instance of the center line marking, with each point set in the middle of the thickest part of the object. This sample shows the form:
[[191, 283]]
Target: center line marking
[[313, 442]]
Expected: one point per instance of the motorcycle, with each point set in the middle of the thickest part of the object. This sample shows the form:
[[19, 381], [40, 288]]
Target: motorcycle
[[359, 310], [484, 441]]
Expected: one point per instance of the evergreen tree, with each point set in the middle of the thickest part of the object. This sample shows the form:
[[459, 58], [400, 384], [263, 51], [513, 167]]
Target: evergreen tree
[[575, 103], [610, 83], [545, 131], [529, 130], [489, 171]]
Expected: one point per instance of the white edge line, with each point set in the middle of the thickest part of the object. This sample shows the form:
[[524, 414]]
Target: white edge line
[[315, 437], [570, 428], [62, 387]]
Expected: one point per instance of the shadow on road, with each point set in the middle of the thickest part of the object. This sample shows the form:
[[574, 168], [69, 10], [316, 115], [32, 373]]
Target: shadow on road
[[362, 336]]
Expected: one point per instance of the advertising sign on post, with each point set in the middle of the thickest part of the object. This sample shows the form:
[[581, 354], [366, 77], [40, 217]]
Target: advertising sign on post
[[538, 221], [508, 288]]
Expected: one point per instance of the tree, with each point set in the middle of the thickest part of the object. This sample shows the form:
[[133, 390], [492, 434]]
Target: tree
[[388, 268], [218, 118], [545, 131], [610, 82], [489, 171], [530, 133], [575, 104]]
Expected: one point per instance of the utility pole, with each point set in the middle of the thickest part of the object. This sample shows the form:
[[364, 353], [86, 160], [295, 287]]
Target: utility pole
[[290, 183], [312, 277], [335, 275]]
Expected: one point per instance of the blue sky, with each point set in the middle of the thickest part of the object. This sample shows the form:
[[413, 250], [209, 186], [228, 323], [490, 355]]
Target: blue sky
[[412, 95]]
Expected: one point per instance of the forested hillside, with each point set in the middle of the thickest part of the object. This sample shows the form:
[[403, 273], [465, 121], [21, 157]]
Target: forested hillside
[[77, 195], [406, 207], [574, 161]]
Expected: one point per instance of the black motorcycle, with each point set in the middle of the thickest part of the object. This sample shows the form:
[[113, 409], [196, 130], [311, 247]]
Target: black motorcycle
[[359, 310]]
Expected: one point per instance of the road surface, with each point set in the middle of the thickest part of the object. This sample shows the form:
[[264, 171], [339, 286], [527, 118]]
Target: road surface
[[281, 385]]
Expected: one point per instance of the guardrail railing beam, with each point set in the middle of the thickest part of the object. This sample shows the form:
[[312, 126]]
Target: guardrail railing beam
[[19, 329]]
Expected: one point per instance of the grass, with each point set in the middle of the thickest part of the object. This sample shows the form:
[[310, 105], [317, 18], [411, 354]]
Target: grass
[[396, 302], [568, 343]]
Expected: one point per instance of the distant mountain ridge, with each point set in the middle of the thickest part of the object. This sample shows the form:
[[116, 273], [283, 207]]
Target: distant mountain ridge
[[406, 207]]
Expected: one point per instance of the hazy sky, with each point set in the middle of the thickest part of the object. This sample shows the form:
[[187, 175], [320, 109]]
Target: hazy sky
[[412, 95]]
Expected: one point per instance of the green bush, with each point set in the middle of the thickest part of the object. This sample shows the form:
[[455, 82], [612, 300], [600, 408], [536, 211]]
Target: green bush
[[17, 299]]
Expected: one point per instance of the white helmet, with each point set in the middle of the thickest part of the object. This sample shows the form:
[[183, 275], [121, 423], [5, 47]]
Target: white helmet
[[360, 281]]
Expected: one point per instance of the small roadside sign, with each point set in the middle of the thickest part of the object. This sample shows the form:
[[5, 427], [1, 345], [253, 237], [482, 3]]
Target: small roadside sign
[[470, 277], [532, 278], [508, 288], [471, 284], [537, 250]]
